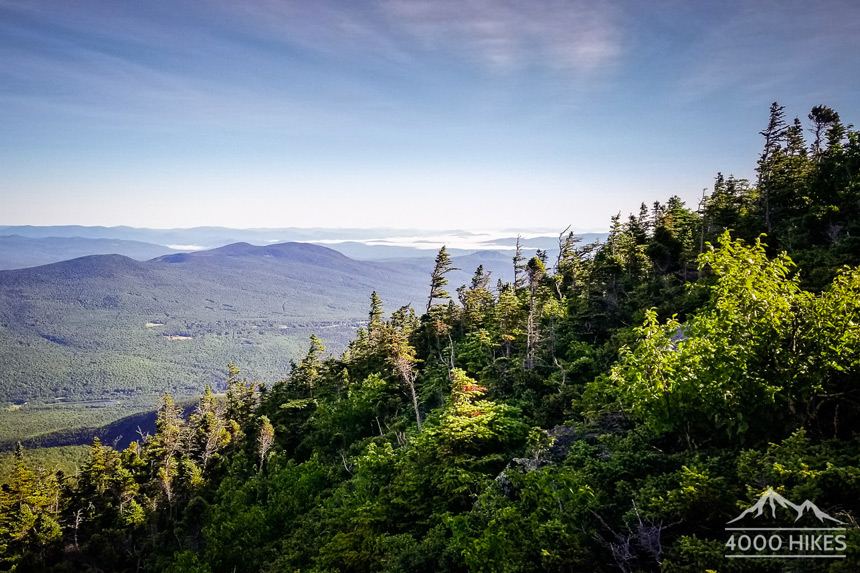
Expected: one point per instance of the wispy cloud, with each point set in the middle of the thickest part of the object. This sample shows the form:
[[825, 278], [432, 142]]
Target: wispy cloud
[[502, 35], [160, 69], [572, 35], [296, 66], [762, 47]]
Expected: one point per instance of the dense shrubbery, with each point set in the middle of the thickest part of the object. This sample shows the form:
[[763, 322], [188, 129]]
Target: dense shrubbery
[[609, 410]]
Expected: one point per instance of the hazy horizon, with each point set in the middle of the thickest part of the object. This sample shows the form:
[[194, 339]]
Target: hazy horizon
[[359, 243]]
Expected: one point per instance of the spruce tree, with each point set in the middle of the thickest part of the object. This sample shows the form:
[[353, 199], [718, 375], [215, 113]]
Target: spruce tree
[[305, 375], [437, 278], [375, 314], [773, 134]]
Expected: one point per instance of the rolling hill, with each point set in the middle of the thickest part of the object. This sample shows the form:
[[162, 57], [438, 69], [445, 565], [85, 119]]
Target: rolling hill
[[108, 326]]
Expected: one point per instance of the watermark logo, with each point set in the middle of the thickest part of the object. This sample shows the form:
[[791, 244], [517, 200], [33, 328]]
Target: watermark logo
[[775, 528]]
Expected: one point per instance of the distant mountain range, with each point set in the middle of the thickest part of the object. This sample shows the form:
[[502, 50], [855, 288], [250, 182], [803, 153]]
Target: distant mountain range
[[27, 246], [104, 326], [17, 252]]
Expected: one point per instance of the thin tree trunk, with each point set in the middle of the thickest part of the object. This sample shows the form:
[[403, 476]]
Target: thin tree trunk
[[411, 383]]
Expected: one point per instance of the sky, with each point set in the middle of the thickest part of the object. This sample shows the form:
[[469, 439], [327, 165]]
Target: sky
[[471, 114]]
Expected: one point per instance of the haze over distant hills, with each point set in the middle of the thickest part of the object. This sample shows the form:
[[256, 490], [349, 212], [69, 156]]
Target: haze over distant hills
[[25, 246], [17, 252], [211, 237]]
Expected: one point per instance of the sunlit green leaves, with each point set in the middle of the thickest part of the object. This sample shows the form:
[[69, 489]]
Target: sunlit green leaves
[[753, 358]]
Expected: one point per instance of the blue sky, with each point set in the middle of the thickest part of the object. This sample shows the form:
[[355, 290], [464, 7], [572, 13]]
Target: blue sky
[[476, 114]]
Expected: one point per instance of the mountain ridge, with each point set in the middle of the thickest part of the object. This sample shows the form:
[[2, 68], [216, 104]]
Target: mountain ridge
[[36, 245], [17, 252]]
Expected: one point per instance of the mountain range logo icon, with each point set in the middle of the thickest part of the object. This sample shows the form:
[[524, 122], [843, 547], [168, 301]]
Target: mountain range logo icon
[[773, 499]]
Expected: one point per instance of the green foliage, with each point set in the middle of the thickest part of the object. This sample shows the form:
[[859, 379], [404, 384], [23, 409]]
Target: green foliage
[[469, 423], [29, 514], [375, 314], [531, 428], [758, 359], [252, 515], [65, 459]]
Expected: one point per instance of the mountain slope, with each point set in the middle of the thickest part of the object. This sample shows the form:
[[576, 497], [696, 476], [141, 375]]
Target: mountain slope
[[109, 326]]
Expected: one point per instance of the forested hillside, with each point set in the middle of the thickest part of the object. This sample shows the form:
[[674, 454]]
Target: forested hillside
[[99, 338], [607, 409], [103, 326]]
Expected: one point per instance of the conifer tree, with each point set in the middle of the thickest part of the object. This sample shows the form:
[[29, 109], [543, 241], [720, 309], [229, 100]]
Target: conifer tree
[[29, 514], [438, 281], [477, 300], [243, 398], [305, 375], [210, 429], [509, 316], [404, 320], [536, 271], [774, 135], [375, 314], [795, 144], [480, 279]]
